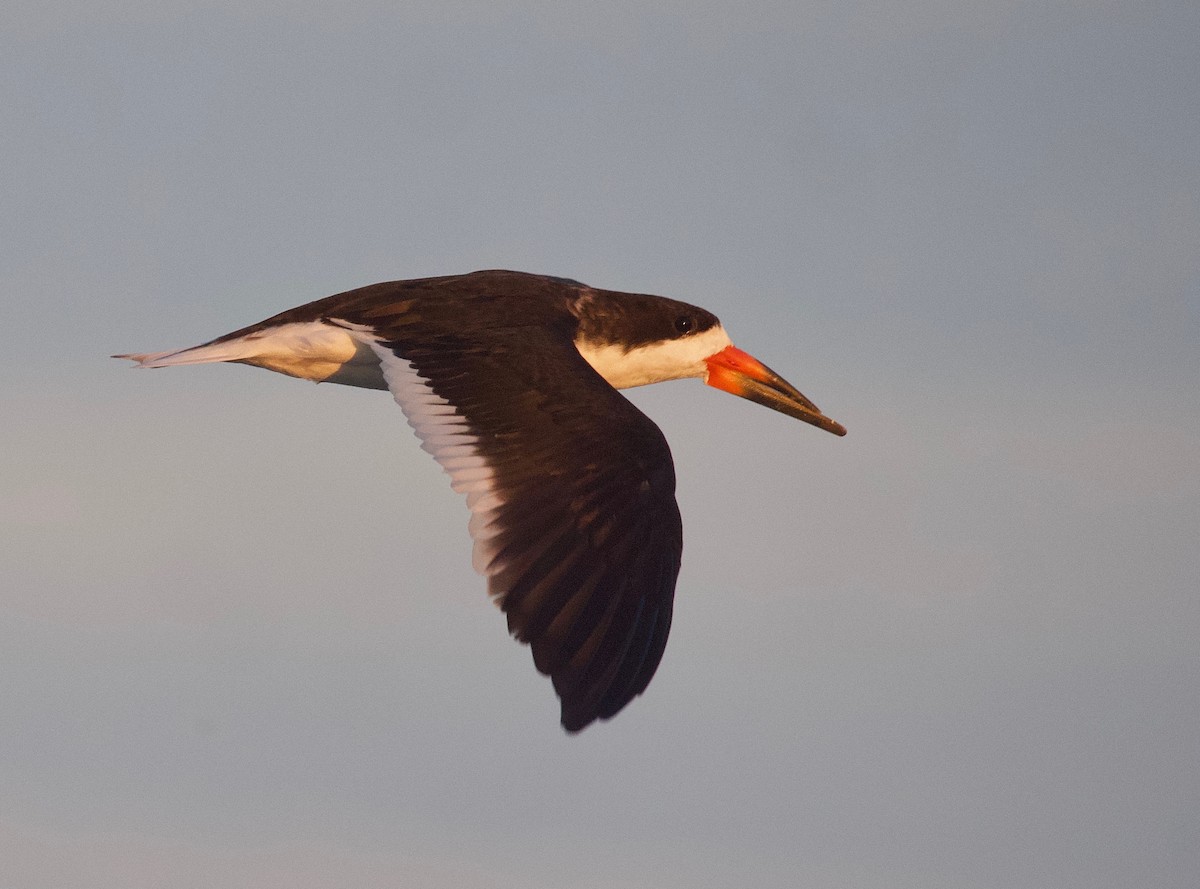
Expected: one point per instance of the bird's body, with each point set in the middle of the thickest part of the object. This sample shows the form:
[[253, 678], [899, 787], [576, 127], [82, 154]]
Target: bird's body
[[511, 380]]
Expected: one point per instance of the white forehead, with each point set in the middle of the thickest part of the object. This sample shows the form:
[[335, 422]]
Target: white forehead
[[655, 362]]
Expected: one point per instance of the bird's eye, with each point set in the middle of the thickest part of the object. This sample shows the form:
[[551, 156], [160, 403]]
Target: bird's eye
[[684, 323]]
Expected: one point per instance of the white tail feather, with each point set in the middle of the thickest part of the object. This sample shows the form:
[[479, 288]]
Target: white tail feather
[[236, 350], [311, 350]]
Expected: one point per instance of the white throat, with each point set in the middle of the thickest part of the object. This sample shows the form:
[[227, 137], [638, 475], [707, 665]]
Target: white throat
[[654, 362]]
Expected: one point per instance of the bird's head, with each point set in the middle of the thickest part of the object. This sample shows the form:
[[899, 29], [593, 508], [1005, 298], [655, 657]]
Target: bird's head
[[647, 339]]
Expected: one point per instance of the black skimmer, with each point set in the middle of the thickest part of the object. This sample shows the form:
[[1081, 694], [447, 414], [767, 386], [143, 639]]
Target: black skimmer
[[510, 380]]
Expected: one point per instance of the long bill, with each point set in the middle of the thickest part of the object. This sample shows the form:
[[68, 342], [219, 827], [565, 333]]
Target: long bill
[[743, 375]]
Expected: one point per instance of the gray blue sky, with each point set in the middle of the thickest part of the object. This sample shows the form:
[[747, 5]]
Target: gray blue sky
[[240, 641]]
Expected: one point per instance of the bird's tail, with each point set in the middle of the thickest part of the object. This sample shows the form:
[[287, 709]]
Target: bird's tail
[[208, 353], [310, 350]]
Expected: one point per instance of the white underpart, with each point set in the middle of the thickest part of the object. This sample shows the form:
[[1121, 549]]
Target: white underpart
[[339, 351], [653, 363], [444, 433], [311, 350]]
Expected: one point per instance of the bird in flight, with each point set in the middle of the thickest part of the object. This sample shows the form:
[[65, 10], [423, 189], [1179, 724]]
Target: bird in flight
[[510, 380]]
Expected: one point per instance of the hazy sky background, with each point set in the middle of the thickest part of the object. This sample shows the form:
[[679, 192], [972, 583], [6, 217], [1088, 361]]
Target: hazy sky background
[[241, 644]]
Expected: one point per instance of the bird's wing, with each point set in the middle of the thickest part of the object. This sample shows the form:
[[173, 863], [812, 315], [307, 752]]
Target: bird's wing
[[572, 495]]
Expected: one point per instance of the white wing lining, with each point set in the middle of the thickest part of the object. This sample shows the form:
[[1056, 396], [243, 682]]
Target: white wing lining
[[444, 434]]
